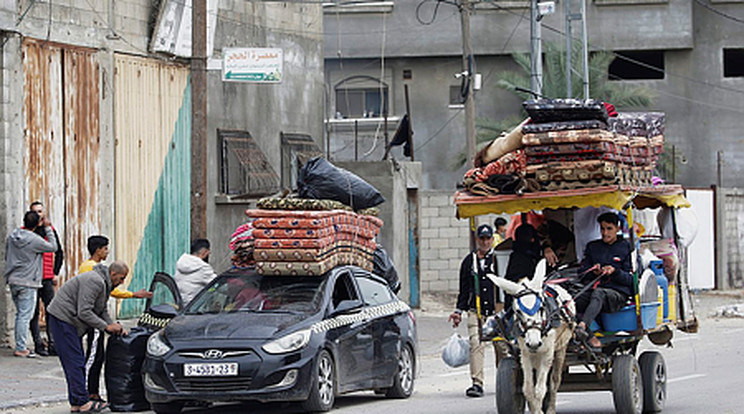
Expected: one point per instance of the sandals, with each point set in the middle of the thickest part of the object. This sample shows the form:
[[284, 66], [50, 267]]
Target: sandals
[[581, 334], [96, 406]]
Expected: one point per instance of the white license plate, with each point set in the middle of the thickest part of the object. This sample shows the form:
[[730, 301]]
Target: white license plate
[[223, 369]]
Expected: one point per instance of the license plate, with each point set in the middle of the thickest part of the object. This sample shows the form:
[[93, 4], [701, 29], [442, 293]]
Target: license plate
[[224, 369]]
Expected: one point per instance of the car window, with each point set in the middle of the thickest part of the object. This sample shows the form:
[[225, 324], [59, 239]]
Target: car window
[[373, 292], [255, 293], [343, 290], [164, 291]]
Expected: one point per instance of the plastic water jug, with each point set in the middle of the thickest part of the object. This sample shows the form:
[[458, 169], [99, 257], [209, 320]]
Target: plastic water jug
[[657, 266]]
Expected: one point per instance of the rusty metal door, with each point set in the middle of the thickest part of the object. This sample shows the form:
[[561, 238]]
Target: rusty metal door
[[61, 136]]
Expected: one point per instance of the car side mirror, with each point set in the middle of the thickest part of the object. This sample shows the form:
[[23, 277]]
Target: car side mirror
[[347, 307], [164, 310]]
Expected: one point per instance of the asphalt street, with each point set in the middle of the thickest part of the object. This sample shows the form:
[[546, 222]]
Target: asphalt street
[[704, 375]]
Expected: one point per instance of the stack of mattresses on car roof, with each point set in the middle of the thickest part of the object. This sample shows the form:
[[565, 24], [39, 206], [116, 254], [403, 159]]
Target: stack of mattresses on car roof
[[574, 144], [311, 237]]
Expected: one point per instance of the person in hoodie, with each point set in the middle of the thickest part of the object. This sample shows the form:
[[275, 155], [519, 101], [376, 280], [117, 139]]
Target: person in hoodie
[[81, 304], [52, 263], [24, 251], [193, 271]]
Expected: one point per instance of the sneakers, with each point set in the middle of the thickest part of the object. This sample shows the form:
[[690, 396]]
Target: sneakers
[[476, 391], [41, 351]]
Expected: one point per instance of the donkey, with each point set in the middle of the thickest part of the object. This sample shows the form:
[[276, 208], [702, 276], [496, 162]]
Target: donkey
[[542, 345]]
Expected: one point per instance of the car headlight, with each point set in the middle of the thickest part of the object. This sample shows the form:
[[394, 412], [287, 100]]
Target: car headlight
[[288, 343], [156, 345]]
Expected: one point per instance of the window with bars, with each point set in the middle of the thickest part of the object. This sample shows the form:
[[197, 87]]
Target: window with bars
[[245, 171], [296, 150]]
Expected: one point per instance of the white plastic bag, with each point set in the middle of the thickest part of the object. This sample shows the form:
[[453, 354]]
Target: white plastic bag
[[457, 351]]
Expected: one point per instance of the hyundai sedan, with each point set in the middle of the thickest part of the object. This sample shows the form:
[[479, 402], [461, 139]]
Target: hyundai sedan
[[284, 338]]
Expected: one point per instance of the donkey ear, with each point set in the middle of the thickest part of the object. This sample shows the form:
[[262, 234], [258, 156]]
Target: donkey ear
[[539, 276], [507, 285]]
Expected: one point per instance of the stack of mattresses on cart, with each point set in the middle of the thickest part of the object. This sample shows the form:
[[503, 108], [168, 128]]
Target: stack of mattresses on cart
[[311, 237], [575, 144]]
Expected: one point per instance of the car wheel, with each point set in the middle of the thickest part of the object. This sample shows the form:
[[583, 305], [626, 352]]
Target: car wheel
[[403, 380], [167, 408], [323, 387]]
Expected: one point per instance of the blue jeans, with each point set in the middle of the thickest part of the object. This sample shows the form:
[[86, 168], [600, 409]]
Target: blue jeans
[[25, 302]]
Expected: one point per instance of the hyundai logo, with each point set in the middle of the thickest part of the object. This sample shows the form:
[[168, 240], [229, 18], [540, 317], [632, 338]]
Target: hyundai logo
[[213, 354]]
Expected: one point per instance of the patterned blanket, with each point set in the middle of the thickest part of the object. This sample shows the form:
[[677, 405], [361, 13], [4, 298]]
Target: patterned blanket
[[312, 268], [272, 203]]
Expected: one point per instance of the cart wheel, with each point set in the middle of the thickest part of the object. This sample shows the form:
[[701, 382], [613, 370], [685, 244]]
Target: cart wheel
[[654, 374], [627, 389], [509, 398]]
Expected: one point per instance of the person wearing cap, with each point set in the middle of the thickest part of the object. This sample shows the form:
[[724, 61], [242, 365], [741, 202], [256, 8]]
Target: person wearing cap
[[473, 279]]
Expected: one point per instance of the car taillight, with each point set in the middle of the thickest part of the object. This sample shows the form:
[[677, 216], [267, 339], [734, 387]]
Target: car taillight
[[412, 316]]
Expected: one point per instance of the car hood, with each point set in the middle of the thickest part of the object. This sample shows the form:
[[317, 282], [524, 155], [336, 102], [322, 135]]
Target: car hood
[[239, 325]]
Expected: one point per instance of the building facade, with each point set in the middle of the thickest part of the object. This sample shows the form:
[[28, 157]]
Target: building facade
[[96, 123], [688, 54]]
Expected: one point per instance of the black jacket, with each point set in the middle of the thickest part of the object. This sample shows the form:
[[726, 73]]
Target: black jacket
[[489, 293], [617, 255]]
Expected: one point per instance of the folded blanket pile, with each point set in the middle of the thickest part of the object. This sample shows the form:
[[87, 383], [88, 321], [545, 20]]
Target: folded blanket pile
[[311, 242], [575, 144]]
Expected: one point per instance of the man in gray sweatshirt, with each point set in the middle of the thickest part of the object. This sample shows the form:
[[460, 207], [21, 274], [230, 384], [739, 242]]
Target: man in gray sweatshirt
[[24, 251], [80, 304]]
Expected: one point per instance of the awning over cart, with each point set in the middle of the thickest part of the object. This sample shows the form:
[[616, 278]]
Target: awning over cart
[[616, 197]]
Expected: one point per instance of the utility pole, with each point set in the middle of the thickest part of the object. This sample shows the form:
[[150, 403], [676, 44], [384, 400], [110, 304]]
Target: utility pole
[[199, 119], [468, 69], [536, 73], [571, 17]]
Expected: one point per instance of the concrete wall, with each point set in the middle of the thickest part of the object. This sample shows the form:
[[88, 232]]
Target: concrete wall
[[730, 238], [265, 110], [445, 241], [393, 182], [667, 25]]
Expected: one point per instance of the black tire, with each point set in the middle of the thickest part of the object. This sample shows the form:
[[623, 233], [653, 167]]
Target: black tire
[[654, 374], [403, 380], [167, 408], [323, 387], [509, 398], [627, 386]]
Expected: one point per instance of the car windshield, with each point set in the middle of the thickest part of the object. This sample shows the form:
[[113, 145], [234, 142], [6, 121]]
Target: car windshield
[[255, 293]]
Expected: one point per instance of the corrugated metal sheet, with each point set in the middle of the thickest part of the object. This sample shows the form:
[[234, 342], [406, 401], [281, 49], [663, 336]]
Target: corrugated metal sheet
[[152, 191], [61, 111], [82, 143]]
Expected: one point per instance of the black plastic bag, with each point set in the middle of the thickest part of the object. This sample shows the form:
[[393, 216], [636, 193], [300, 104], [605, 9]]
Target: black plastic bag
[[321, 180], [124, 358], [383, 266]]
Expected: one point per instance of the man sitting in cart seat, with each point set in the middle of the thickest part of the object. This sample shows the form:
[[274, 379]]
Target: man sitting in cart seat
[[607, 266]]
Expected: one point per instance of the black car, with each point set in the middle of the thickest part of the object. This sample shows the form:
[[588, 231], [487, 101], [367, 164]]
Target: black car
[[284, 338]]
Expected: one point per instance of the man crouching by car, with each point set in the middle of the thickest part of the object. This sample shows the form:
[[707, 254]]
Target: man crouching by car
[[79, 305]]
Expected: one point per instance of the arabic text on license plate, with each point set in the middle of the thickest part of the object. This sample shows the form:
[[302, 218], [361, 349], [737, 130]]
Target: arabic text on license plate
[[224, 369]]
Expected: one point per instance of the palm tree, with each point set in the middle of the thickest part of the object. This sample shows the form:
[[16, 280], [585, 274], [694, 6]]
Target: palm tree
[[621, 95]]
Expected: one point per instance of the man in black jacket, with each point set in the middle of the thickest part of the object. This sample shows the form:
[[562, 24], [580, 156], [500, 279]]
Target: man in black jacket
[[473, 279], [609, 258]]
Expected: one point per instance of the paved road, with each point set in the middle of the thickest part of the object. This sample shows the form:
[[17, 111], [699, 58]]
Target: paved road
[[705, 375]]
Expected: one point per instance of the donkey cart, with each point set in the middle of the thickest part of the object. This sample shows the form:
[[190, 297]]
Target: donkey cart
[[539, 335]]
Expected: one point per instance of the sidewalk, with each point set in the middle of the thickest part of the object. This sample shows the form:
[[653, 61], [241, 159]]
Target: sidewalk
[[30, 381]]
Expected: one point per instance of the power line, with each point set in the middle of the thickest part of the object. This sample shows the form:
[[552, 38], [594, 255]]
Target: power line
[[718, 12]]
